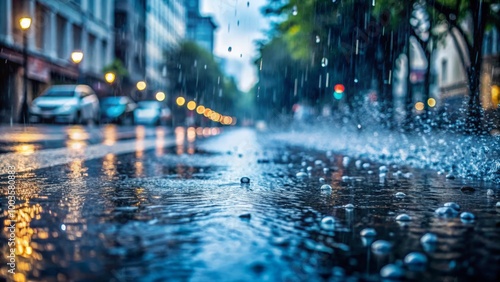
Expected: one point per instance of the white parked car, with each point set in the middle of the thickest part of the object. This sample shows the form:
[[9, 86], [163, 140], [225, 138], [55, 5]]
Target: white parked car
[[151, 112], [66, 103]]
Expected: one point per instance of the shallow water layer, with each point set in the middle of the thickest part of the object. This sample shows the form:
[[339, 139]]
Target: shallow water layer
[[173, 216]]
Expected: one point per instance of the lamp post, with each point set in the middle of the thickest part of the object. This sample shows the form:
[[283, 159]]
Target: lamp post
[[77, 57], [110, 78], [141, 86], [25, 23]]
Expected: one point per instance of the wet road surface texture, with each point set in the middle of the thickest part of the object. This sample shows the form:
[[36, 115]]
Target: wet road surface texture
[[178, 211]]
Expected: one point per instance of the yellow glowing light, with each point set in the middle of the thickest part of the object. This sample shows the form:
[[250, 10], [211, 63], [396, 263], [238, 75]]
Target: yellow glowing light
[[191, 134], [431, 102], [419, 106], [25, 23], [141, 85], [200, 109], [207, 112], [109, 77], [495, 95], [191, 105], [77, 56], [180, 101], [160, 96]]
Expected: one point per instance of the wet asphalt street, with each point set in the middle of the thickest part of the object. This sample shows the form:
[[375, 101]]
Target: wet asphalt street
[[158, 204]]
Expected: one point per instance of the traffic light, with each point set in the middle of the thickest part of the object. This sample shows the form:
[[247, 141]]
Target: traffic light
[[339, 91]]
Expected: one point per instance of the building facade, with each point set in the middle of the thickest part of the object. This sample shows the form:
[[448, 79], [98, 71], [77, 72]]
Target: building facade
[[200, 29], [165, 28], [58, 28]]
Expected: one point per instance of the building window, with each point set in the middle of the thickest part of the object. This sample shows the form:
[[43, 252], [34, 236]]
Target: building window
[[39, 25], [77, 37], [444, 71], [61, 38], [91, 48]]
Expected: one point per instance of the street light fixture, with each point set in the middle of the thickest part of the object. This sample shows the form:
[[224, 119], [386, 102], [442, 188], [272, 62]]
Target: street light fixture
[[77, 57], [25, 23], [110, 77], [160, 96], [141, 85]]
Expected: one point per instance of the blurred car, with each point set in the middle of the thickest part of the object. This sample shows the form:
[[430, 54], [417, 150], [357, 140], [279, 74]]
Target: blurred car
[[66, 103], [151, 112], [303, 113], [118, 109]]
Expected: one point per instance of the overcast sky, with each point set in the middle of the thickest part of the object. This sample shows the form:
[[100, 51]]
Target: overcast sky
[[239, 37]]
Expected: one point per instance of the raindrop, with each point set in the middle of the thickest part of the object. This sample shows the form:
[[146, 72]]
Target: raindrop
[[368, 232], [238, 23], [318, 40], [467, 216], [416, 261], [294, 10], [392, 272], [241, 55], [382, 168], [318, 162], [452, 205], [63, 227], [248, 3], [230, 49], [326, 187], [450, 176], [349, 207], [345, 161], [301, 174], [303, 163], [490, 192], [366, 165], [381, 247], [328, 223], [345, 178], [358, 164], [429, 238], [325, 170], [321, 180], [403, 217], [400, 195], [497, 205], [467, 189], [446, 212], [309, 168], [245, 180], [324, 62], [408, 175], [245, 216]]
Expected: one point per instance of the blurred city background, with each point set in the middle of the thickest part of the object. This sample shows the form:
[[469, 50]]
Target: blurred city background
[[412, 61]]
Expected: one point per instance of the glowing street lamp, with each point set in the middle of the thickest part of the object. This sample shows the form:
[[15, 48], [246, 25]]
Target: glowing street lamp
[[191, 105], [180, 101], [110, 77], [77, 57], [141, 85], [25, 23], [160, 96]]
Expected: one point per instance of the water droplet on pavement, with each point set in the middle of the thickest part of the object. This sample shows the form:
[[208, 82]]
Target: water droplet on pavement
[[392, 272], [403, 217], [328, 223], [245, 180], [381, 247]]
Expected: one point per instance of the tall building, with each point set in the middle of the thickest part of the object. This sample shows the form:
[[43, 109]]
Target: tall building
[[130, 40], [165, 28], [200, 29], [145, 31], [58, 28]]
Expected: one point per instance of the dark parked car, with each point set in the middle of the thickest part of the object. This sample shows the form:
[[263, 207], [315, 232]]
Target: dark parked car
[[118, 109]]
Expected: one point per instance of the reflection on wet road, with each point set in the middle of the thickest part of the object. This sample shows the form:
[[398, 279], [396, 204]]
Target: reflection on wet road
[[173, 208]]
